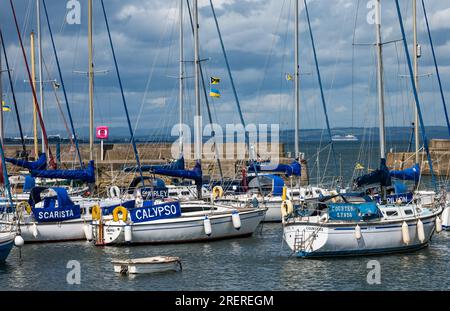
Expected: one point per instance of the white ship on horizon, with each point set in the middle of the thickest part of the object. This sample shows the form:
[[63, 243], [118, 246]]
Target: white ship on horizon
[[348, 137]]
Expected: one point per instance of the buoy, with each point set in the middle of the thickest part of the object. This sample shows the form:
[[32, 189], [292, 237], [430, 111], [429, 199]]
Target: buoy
[[128, 234], [88, 232], [358, 234], [405, 233], [114, 192], [286, 208], [96, 212], [438, 224], [236, 220], [420, 231], [207, 226], [18, 241], [34, 230]]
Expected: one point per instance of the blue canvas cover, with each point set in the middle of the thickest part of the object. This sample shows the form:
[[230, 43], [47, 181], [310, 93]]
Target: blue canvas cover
[[66, 209], [85, 175], [353, 212], [39, 164], [412, 173], [380, 176], [152, 212], [194, 174], [293, 169], [107, 210]]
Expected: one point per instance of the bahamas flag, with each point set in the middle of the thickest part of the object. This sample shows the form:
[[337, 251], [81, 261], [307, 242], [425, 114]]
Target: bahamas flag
[[214, 93], [5, 107], [215, 80]]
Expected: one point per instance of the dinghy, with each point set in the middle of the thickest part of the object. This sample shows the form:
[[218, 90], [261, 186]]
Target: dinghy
[[147, 265]]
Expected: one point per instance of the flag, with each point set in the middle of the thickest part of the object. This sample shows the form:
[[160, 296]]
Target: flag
[[359, 166], [214, 93], [5, 107], [215, 80], [289, 77]]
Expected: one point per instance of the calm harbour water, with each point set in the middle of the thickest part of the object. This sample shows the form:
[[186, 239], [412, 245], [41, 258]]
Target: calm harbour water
[[260, 262]]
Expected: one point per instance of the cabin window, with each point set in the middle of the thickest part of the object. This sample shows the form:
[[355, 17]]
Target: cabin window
[[173, 194], [391, 213], [185, 193], [408, 212]]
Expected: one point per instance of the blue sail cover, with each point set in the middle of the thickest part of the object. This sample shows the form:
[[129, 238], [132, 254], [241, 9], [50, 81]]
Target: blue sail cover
[[412, 173], [174, 166], [39, 164], [66, 209], [85, 175], [195, 174], [293, 169], [380, 176]]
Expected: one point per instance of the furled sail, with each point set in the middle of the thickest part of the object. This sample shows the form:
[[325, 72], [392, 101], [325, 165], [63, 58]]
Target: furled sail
[[85, 175], [380, 176], [293, 169], [194, 174], [412, 173], [176, 165], [39, 164]]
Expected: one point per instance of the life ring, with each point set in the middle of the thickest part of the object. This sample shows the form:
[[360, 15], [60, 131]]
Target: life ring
[[96, 212], [286, 208], [120, 209], [114, 192], [24, 206], [217, 192]]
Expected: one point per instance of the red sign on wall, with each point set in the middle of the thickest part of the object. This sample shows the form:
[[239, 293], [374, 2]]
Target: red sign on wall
[[102, 132]]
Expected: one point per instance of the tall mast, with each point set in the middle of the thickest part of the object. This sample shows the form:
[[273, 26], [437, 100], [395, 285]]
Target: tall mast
[[33, 77], [297, 84], [197, 121], [2, 127], [40, 60], [181, 77], [380, 81], [91, 83], [416, 80]]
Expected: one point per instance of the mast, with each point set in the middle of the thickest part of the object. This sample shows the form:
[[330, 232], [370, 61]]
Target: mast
[[40, 60], [181, 77], [197, 121], [297, 83], [91, 83], [33, 77], [416, 80], [380, 81], [2, 127]]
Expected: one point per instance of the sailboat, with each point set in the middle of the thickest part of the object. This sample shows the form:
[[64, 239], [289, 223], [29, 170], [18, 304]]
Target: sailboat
[[274, 196], [349, 225], [169, 220]]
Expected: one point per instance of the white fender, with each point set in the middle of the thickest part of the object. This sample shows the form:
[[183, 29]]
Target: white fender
[[236, 220], [446, 218], [420, 231], [358, 233], [18, 241], [128, 233], [34, 230], [405, 233], [438, 224], [207, 226], [87, 228]]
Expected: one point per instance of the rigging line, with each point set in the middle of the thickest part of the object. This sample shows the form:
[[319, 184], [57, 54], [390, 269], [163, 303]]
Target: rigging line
[[436, 67], [319, 77], [123, 95], [58, 103], [206, 95], [353, 62], [69, 112], [416, 97], [38, 110], [11, 86]]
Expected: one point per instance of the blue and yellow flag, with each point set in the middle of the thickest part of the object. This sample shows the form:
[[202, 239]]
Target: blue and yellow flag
[[5, 107], [289, 77], [359, 166], [214, 93], [215, 80]]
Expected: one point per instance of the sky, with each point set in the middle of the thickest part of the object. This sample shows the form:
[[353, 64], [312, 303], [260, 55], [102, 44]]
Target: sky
[[258, 37]]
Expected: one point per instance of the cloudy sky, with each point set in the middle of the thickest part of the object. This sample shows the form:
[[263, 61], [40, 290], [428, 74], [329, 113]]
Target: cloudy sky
[[258, 36]]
